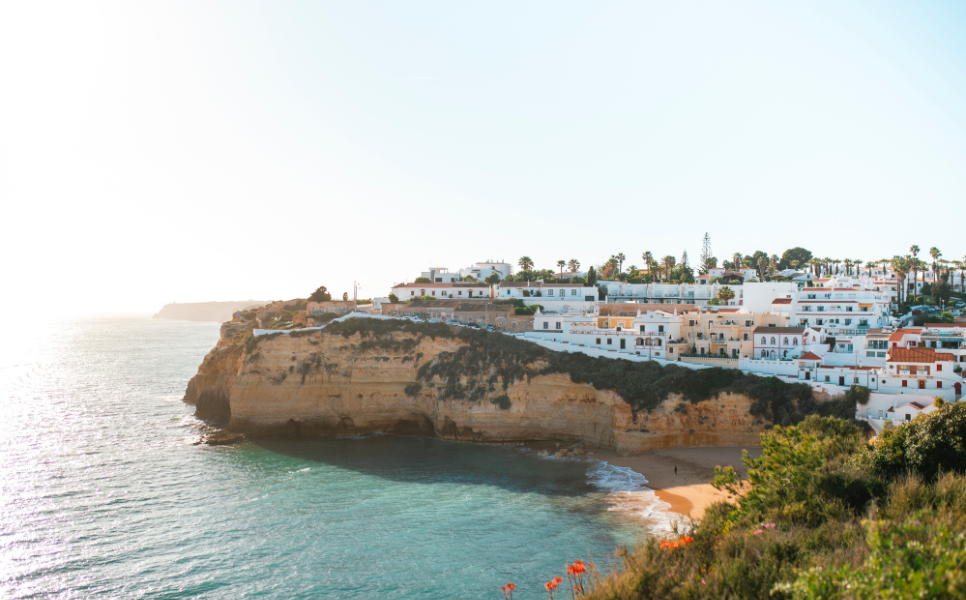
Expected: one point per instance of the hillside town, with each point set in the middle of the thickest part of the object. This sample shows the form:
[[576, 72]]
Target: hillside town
[[890, 327]]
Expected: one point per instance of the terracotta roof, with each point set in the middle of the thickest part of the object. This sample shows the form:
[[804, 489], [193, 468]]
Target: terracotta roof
[[782, 301], [728, 310], [916, 404], [918, 355], [810, 356], [766, 329], [629, 309], [900, 333]]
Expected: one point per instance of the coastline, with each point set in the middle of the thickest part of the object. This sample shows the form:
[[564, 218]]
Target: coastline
[[689, 492]]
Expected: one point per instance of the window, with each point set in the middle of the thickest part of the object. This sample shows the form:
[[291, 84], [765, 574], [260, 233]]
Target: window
[[573, 291], [691, 323], [563, 293], [550, 292], [786, 341], [749, 323], [610, 342], [598, 341], [939, 384], [546, 325], [412, 293], [939, 367], [794, 341], [460, 293], [558, 325], [905, 383], [828, 379], [855, 380], [763, 342], [746, 337], [660, 329], [763, 354], [848, 321], [772, 341]]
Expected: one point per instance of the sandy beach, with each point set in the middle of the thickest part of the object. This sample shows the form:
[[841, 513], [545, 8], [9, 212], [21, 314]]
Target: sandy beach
[[689, 492]]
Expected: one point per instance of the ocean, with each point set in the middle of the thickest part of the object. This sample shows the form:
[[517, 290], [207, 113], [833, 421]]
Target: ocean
[[103, 492]]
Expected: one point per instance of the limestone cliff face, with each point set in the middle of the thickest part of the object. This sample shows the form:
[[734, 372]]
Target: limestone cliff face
[[329, 384]]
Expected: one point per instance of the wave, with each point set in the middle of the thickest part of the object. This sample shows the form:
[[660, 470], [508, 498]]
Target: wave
[[627, 492]]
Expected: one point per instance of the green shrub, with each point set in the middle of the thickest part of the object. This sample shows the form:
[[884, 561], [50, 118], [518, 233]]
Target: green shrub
[[929, 445]]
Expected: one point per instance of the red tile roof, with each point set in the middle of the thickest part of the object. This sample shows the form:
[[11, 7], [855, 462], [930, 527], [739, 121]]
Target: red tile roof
[[810, 356], [792, 330], [782, 301], [918, 355], [900, 333]]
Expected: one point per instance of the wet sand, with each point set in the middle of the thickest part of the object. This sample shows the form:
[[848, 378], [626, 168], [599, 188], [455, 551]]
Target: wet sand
[[689, 492]]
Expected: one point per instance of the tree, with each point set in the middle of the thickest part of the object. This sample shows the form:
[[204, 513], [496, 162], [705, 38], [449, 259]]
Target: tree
[[858, 267], [345, 296], [470, 279], [708, 264], [393, 298], [526, 263], [736, 260], [648, 258], [573, 264], [423, 280], [591, 277], [561, 264], [935, 254], [493, 279], [320, 295], [669, 262], [725, 294], [705, 253], [900, 266], [762, 266], [942, 290], [684, 260], [620, 261], [802, 255]]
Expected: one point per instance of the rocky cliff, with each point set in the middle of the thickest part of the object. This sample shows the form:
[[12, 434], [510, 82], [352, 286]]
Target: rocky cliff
[[461, 385]]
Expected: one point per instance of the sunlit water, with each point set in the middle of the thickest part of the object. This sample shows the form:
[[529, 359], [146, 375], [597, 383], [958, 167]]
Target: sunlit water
[[103, 493]]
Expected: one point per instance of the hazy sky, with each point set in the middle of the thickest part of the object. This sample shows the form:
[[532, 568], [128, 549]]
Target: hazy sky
[[188, 151]]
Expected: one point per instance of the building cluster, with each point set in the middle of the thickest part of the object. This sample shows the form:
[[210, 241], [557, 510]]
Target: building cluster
[[831, 331]]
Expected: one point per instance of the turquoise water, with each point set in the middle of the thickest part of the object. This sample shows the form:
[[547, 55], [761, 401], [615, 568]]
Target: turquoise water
[[103, 494]]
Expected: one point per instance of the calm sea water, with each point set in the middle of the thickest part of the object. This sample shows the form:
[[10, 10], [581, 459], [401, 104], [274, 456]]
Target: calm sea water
[[103, 494]]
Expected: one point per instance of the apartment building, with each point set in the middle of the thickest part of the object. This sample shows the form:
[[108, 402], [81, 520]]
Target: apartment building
[[454, 289], [923, 369]]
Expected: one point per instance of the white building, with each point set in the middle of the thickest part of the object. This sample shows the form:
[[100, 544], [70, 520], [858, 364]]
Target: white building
[[481, 270], [458, 290], [778, 343]]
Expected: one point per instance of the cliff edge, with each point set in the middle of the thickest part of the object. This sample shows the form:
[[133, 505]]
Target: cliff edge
[[363, 376]]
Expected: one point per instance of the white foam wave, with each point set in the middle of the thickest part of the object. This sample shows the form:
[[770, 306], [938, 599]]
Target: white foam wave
[[627, 492]]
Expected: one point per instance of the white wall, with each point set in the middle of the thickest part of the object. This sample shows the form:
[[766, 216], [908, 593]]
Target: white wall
[[758, 296]]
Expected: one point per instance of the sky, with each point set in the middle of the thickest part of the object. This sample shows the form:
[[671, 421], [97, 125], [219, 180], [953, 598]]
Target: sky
[[153, 152]]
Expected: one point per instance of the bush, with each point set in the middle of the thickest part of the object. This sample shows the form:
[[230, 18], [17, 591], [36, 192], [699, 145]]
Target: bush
[[929, 445]]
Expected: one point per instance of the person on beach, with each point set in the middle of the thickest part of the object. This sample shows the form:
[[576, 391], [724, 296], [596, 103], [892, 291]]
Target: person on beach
[[675, 470]]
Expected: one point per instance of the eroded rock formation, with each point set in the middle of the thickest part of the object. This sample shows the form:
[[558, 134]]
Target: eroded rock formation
[[317, 383]]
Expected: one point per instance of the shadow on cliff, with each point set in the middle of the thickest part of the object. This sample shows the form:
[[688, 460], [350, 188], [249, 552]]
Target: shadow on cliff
[[432, 461]]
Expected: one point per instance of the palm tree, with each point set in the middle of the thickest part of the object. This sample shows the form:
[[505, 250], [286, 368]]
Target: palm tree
[[561, 263], [858, 267], [573, 265], [914, 264], [762, 266], [736, 258], [725, 294], [620, 261], [848, 266], [526, 263], [669, 262], [648, 258], [901, 266], [961, 265], [935, 254]]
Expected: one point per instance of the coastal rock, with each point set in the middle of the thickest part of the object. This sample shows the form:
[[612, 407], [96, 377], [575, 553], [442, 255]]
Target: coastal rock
[[327, 384]]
